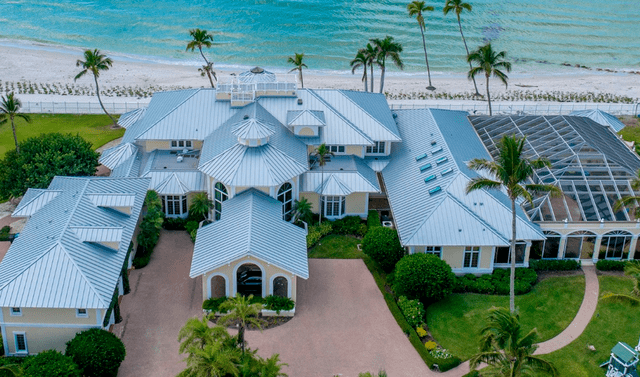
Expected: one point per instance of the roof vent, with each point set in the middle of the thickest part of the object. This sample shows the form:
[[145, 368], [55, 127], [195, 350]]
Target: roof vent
[[395, 115], [299, 101], [245, 116], [257, 70], [433, 142]]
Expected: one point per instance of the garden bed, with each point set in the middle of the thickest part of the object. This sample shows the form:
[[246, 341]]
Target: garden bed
[[271, 321]]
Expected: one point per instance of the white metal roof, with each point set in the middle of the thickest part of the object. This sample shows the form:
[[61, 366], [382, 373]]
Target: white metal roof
[[342, 175], [49, 266], [176, 182], [33, 200], [129, 118], [251, 225], [115, 156], [253, 128], [305, 118], [601, 117]]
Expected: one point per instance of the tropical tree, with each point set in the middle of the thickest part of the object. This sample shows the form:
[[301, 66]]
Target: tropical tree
[[297, 62], [213, 360], [491, 63], [321, 153], [631, 268], [371, 54], [416, 9], [207, 70], [95, 62], [510, 170], [199, 39], [361, 60], [506, 352], [272, 367], [458, 6], [240, 310], [387, 48], [197, 333], [10, 108], [302, 210], [201, 204]]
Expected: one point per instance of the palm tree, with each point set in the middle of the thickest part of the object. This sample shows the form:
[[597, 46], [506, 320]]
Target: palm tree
[[95, 62], [240, 310], [370, 53], [321, 153], [11, 370], [510, 170], [361, 61], [197, 333], [201, 38], [272, 367], [416, 8], [201, 205], [506, 352], [302, 210], [387, 48], [633, 298], [207, 70], [491, 63], [297, 62], [10, 107], [213, 360], [458, 6]]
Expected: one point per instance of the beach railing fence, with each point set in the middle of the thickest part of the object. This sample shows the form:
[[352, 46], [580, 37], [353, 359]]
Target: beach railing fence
[[525, 108], [44, 107]]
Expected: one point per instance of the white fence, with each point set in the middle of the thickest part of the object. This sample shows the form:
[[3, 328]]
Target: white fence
[[79, 107], [529, 108]]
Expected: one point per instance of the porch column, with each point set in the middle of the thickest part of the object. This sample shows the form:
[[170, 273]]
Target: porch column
[[561, 247], [596, 249], [412, 249], [527, 250], [632, 246]]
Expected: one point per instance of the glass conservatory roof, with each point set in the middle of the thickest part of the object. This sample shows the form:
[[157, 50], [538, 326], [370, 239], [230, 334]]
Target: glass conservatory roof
[[589, 163]]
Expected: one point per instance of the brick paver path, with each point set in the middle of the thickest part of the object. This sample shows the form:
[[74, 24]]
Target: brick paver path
[[163, 297]]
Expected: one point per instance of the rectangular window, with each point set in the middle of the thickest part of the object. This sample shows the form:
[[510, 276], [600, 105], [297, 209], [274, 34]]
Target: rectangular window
[[16, 311], [20, 342], [333, 206], [378, 148], [337, 149], [181, 144], [471, 257], [174, 205], [82, 313], [435, 250], [503, 254]]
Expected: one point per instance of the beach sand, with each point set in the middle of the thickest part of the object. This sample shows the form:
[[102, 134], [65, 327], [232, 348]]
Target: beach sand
[[42, 65]]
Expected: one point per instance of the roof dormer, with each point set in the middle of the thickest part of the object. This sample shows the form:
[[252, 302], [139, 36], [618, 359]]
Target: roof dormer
[[108, 237], [253, 132], [305, 123], [122, 203]]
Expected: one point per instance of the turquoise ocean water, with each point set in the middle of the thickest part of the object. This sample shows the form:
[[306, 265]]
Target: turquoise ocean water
[[537, 34]]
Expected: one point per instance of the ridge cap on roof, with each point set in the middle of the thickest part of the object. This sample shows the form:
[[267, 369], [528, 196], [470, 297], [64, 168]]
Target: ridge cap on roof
[[40, 192], [193, 93], [341, 91]]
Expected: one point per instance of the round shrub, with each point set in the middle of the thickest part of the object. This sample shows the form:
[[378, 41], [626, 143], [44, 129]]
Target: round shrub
[[97, 352], [423, 276], [383, 246], [51, 364]]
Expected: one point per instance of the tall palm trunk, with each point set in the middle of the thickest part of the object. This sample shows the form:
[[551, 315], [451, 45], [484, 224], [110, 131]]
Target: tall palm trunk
[[512, 278], [301, 80], [95, 78], [323, 203], [366, 80], [15, 137], [371, 77], [241, 337], [467, 48], [382, 70], [206, 70], [488, 96], [426, 58]]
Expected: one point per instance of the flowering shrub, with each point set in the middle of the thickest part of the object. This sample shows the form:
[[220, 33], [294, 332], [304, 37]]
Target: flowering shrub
[[430, 346], [413, 311], [421, 332], [440, 353]]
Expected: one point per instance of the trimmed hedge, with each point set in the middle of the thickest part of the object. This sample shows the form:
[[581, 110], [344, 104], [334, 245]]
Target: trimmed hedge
[[149, 234], [4, 233], [555, 264], [424, 277], [610, 265], [496, 283], [213, 304], [373, 218], [50, 363], [174, 223], [278, 303], [316, 232], [349, 225], [98, 353], [383, 246], [413, 311]]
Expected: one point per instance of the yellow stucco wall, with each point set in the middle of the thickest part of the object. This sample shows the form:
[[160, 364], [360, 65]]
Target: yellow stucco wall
[[306, 131], [356, 150], [197, 144], [312, 198], [227, 270], [486, 253], [356, 203], [42, 338], [150, 145], [453, 256], [58, 316]]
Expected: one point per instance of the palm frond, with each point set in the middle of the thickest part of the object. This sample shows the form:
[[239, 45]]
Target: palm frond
[[480, 183], [620, 298]]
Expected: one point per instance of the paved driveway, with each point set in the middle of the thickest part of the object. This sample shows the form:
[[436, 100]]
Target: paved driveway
[[342, 327], [162, 298]]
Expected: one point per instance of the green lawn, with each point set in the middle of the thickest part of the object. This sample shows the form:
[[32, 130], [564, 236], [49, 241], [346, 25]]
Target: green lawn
[[611, 323], [94, 128], [337, 247], [553, 303]]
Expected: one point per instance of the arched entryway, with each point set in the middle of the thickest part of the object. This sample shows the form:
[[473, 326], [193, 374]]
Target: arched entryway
[[615, 245], [249, 280], [580, 245]]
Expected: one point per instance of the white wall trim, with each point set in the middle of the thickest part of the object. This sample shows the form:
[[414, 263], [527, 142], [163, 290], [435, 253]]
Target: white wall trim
[[273, 278], [5, 343], [15, 343], [226, 283], [235, 275], [99, 318], [52, 325], [463, 271]]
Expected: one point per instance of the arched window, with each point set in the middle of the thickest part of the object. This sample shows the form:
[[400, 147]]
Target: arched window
[[249, 280], [281, 286], [218, 287], [285, 195], [547, 249], [615, 245], [580, 245], [220, 195]]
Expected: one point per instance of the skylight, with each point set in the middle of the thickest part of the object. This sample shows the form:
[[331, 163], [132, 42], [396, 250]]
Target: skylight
[[418, 158], [435, 190], [425, 167], [441, 160], [430, 178]]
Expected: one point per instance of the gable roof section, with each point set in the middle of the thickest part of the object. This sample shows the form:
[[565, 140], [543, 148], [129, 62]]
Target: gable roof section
[[49, 266], [428, 171], [33, 200], [376, 109], [601, 117], [343, 175], [251, 225], [117, 155], [305, 118], [127, 119]]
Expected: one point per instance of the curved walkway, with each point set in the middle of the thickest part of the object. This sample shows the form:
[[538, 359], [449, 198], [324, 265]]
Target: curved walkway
[[571, 333]]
